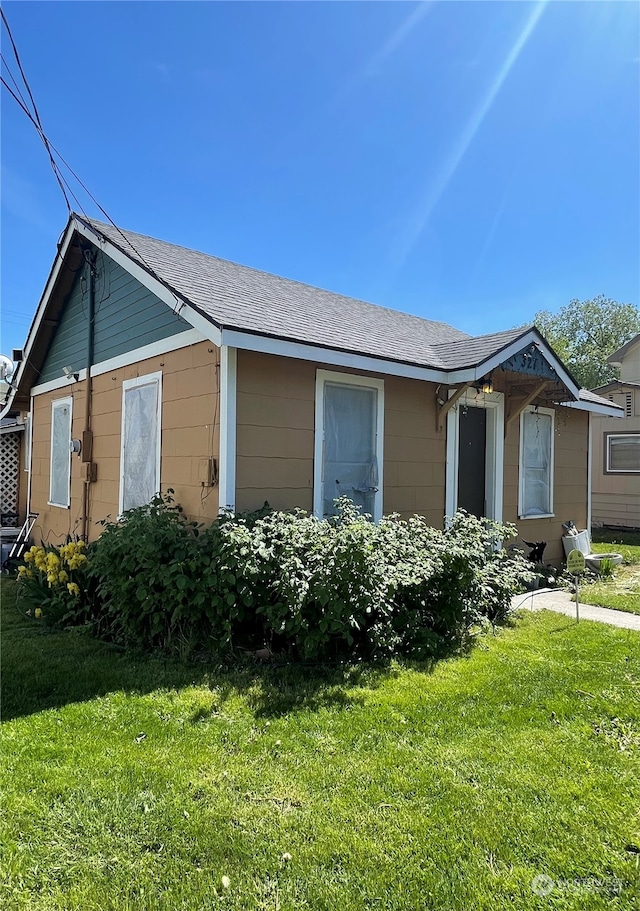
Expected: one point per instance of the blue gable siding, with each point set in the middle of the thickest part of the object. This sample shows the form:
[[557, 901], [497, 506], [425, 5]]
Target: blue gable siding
[[68, 346], [127, 316], [531, 361]]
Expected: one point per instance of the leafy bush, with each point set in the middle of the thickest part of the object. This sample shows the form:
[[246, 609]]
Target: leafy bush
[[344, 585], [52, 583], [146, 566], [312, 588]]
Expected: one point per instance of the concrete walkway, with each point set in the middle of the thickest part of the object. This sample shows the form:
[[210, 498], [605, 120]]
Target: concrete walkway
[[560, 601]]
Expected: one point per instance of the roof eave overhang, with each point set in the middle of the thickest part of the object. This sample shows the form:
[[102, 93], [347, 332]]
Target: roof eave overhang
[[184, 308], [608, 410], [531, 336], [233, 337], [12, 428], [615, 359], [18, 398], [266, 344]]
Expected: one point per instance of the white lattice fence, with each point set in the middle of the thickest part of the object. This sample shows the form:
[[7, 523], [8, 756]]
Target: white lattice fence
[[9, 472]]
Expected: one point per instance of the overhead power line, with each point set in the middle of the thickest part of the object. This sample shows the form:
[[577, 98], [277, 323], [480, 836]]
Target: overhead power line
[[53, 153]]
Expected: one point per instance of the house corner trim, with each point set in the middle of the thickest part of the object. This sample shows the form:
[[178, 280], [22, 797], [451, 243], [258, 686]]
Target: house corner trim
[[228, 377]]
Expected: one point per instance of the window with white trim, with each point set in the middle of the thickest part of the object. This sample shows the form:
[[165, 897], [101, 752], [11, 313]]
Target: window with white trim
[[349, 442], [622, 453], [60, 465], [535, 495], [140, 442]]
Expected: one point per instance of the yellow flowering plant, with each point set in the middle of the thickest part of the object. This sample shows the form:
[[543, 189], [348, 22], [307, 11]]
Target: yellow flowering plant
[[53, 582]]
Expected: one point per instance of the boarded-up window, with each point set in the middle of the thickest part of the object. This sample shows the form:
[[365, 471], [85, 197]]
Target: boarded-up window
[[60, 470], [140, 449], [536, 463], [623, 452]]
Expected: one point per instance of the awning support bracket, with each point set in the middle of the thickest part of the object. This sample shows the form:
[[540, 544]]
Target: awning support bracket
[[518, 407], [445, 407]]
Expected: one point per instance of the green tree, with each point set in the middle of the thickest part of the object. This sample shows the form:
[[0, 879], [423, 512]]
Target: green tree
[[585, 333]]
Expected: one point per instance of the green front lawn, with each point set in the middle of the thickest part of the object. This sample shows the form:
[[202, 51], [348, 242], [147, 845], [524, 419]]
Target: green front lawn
[[622, 590], [626, 543], [134, 783]]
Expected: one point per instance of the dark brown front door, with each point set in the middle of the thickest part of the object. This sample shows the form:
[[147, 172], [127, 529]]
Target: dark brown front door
[[472, 460]]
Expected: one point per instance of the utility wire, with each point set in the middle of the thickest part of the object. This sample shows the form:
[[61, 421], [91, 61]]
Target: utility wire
[[60, 177], [16, 86], [62, 182], [34, 117]]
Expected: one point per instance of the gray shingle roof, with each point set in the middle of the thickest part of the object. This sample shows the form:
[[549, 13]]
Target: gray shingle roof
[[238, 297], [587, 396], [615, 384], [470, 351]]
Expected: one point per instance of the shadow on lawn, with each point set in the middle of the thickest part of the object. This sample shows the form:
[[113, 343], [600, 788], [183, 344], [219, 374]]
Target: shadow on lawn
[[45, 669]]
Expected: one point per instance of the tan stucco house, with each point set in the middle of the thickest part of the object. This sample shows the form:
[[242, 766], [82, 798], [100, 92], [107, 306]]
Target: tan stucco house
[[616, 463], [152, 366]]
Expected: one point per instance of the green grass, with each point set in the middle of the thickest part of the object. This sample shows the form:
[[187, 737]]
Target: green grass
[[134, 783], [622, 590], [626, 543]]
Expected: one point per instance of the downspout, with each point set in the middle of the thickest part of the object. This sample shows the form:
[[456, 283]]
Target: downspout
[[29, 443], [87, 436]]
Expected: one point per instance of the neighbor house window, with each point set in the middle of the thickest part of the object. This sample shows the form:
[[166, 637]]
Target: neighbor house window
[[536, 463], [622, 452], [349, 437], [140, 444], [60, 471]]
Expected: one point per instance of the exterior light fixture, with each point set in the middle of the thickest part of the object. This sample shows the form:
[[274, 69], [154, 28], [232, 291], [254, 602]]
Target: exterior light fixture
[[487, 386]]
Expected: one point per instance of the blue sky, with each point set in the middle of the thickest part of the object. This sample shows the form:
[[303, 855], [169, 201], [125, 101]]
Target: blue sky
[[469, 162]]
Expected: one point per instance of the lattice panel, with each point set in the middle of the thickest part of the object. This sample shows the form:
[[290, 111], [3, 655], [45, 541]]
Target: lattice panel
[[9, 472]]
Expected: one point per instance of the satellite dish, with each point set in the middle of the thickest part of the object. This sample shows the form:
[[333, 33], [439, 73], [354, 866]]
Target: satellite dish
[[6, 367]]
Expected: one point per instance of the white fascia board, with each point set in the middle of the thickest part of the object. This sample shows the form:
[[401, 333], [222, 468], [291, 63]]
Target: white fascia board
[[163, 346], [612, 411], [470, 374], [266, 345], [63, 383], [177, 303]]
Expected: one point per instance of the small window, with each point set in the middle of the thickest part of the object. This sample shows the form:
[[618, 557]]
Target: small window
[[60, 472], [628, 404], [536, 463], [622, 452], [140, 444]]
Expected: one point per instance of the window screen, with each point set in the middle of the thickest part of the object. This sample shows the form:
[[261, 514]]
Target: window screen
[[623, 452], [140, 443], [60, 453], [536, 464], [349, 465]]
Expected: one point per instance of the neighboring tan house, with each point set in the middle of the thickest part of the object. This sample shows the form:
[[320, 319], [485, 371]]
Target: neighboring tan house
[[233, 387], [616, 463]]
